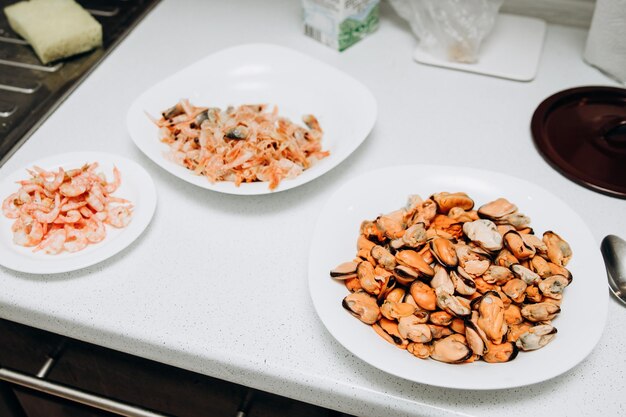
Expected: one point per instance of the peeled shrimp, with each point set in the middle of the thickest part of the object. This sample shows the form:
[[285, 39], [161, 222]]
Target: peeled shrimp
[[50, 216], [27, 231], [119, 216], [95, 231], [53, 243], [111, 187], [54, 185], [73, 204], [242, 144], [75, 187], [86, 213], [65, 210], [75, 239], [96, 198], [72, 216], [9, 208]]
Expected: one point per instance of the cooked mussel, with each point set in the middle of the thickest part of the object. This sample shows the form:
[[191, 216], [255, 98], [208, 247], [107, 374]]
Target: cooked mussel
[[383, 257], [405, 275], [558, 250], [412, 328], [443, 250], [363, 306], [484, 233], [345, 270], [447, 201], [503, 352], [518, 246], [490, 315], [497, 209], [536, 337], [553, 286], [414, 260], [451, 303], [451, 349], [442, 280], [540, 311], [394, 310], [423, 295]]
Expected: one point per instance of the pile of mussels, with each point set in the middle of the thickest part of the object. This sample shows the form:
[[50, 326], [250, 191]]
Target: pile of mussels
[[442, 280]]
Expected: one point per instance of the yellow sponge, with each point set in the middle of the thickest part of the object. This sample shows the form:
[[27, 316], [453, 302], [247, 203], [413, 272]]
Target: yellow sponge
[[55, 28]]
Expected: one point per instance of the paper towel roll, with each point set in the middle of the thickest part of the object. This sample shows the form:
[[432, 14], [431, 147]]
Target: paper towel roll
[[606, 42]]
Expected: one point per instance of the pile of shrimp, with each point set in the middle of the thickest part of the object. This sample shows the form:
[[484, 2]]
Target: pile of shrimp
[[65, 210], [248, 143]]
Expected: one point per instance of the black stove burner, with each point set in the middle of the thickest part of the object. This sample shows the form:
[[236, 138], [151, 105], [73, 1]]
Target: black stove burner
[[30, 91]]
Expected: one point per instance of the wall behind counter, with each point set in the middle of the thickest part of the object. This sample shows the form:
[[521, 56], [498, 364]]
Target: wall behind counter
[[566, 12]]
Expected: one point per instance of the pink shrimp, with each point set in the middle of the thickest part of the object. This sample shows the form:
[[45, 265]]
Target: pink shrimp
[[96, 198], [101, 215], [53, 243], [73, 204], [110, 187], [24, 197], [247, 142], [117, 200], [49, 217], [35, 180], [35, 205], [95, 230], [75, 187], [119, 216], [27, 231], [75, 239], [30, 192], [40, 171], [85, 212], [30, 188], [9, 208], [66, 210], [54, 185], [71, 216]]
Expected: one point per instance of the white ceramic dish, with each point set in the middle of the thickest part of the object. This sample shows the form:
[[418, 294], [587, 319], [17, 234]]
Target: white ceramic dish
[[261, 73], [584, 308], [137, 186], [521, 34]]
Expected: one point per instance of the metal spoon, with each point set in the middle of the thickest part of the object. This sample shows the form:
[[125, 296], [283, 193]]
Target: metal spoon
[[614, 251]]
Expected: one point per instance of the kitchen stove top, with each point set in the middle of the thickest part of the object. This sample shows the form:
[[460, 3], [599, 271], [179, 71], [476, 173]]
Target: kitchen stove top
[[31, 91]]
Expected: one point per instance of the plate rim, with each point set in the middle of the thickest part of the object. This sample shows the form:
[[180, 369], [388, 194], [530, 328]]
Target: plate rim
[[256, 188], [466, 172], [148, 195]]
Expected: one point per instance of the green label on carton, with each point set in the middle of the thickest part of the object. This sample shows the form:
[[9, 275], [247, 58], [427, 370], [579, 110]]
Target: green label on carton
[[351, 30], [340, 23]]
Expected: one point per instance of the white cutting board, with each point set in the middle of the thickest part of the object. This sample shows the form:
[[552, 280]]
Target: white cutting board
[[512, 50]]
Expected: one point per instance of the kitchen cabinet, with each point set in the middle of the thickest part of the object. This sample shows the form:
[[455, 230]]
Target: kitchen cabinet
[[9, 405], [124, 378]]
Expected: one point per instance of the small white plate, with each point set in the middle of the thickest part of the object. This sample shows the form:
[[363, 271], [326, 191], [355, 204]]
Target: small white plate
[[512, 50], [584, 307], [137, 187], [261, 73]]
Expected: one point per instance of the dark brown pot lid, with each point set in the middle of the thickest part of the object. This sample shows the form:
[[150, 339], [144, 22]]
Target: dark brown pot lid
[[581, 132]]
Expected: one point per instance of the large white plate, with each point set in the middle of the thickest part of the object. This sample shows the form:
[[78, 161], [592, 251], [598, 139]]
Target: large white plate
[[261, 73], [137, 186], [584, 306]]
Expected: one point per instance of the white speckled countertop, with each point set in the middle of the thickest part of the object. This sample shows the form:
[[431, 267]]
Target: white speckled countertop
[[217, 283]]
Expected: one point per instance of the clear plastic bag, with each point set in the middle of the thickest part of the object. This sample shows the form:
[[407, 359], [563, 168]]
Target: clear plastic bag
[[450, 29]]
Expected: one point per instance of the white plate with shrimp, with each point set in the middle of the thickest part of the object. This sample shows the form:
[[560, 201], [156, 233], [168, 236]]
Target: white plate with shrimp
[[585, 300], [136, 188], [260, 74]]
